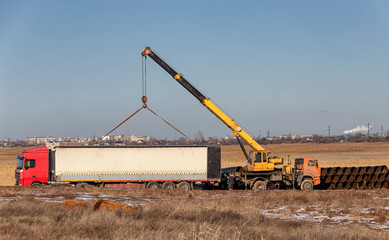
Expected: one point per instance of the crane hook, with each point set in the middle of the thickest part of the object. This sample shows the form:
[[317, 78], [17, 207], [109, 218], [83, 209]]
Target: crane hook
[[144, 101]]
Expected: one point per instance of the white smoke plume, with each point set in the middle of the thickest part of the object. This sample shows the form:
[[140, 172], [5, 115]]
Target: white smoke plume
[[359, 129]]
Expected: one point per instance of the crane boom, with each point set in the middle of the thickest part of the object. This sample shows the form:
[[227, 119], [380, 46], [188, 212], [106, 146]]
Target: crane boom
[[236, 129]]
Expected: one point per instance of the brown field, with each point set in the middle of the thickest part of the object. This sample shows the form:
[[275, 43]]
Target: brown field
[[38, 213], [8, 165], [329, 155]]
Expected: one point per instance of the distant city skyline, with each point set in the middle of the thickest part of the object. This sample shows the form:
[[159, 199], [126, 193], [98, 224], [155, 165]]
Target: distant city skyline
[[73, 68]]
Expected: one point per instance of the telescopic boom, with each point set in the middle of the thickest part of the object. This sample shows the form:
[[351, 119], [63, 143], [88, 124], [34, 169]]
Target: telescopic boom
[[238, 131]]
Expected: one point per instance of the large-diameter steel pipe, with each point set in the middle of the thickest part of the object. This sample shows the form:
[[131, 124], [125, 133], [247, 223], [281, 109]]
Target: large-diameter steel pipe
[[384, 169], [370, 170], [361, 170], [354, 171], [339, 171], [347, 171]]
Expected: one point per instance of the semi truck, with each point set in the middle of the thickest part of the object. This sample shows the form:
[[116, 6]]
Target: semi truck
[[119, 166], [169, 167]]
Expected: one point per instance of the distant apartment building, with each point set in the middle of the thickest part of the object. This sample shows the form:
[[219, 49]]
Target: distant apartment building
[[32, 141]]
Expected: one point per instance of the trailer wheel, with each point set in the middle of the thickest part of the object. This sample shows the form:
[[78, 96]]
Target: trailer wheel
[[307, 184], [82, 184], [259, 186], [36, 184], [184, 186], [152, 185], [168, 185]]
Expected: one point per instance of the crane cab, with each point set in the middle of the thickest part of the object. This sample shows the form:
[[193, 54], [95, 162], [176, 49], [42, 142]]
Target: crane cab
[[258, 161]]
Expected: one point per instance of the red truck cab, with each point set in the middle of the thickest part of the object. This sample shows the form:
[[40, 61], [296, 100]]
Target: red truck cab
[[33, 167]]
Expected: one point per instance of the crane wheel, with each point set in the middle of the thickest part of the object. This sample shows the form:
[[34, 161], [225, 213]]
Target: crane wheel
[[307, 185], [259, 186], [168, 185]]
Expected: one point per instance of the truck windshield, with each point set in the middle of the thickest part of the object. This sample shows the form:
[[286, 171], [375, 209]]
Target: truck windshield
[[20, 162]]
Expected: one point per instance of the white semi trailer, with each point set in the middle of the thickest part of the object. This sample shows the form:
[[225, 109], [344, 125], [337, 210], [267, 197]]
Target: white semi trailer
[[120, 166]]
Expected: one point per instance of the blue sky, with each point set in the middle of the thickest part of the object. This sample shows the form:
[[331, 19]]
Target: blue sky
[[73, 68]]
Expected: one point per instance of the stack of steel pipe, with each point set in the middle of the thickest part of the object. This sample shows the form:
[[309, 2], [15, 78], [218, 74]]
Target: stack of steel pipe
[[368, 177]]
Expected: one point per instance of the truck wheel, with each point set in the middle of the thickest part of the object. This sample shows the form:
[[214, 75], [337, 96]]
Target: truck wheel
[[82, 184], [168, 185], [307, 185], [152, 185], [184, 186], [259, 186], [36, 184]]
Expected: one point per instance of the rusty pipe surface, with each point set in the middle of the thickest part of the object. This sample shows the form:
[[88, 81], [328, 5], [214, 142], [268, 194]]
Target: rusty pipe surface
[[370, 170], [330, 187], [339, 171], [374, 178], [370, 185], [377, 185], [343, 178], [365, 178], [384, 169], [335, 179], [331, 171], [361, 170], [339, 186], [354, 171], [358, 178], [381, 177], [377, 170], [351, 178], [347, 171], [354, 185], [328, 179]]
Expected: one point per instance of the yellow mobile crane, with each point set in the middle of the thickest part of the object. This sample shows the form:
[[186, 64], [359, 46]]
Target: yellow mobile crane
[[261, 171], [258, 159]]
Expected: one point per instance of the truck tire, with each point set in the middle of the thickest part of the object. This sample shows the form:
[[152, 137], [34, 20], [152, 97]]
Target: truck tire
[[307, 184], [36, 184], [82, 184], [184, 186], [168, 185], [152, 185], [259, 186]]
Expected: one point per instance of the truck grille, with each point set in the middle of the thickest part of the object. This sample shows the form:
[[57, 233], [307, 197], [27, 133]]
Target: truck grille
[[17, 177]]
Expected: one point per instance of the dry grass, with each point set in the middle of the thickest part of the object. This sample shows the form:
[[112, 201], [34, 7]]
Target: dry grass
[[332, 154], [8, 165], [189, 215]]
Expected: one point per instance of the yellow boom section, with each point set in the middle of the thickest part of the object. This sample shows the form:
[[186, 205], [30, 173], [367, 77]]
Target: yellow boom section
[[238, 131]]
